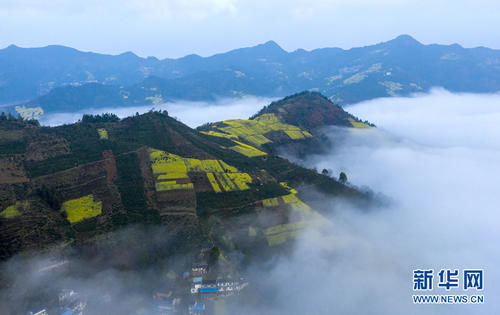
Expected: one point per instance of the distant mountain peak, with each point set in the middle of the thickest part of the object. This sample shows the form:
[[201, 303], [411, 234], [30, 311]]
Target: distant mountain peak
[[128, 54], [405, 39], [271, 46], [271, 43]]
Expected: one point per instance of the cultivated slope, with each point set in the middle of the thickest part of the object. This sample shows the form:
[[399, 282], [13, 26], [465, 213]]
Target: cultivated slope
[[70, 184], [294, 121]]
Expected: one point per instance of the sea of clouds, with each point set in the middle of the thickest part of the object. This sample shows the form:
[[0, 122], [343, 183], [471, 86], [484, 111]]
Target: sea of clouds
[[192, 114], [435, 157]]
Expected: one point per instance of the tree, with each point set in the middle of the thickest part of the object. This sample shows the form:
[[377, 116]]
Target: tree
[[324, 172], [342, 178], [214, 255], [50, 196]]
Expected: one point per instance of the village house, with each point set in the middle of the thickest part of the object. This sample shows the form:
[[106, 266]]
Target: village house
[[206, 286], [197, 279], [162, 296], [199, 269], [196, 308], [220, 287], [168, 305], [71, 301], [230, 287]]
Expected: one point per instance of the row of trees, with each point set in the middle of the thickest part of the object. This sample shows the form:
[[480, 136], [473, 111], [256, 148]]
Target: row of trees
[[100, 118], [19, 118]]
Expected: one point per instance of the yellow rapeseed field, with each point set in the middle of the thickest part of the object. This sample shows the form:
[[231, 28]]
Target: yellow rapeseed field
[[227, 167], [290, 189], [357, 124], [211, 166], [247, 150], [225, 182], [240, 179], [271, 202], [172, 185], [253, 131], [168, 167], [103, 133], [280, 233], [14, 210], [213, 182], [82, 208], [219, 134]]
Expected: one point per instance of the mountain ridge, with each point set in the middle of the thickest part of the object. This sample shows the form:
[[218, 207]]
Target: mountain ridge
[[398, 67], [72, 183]]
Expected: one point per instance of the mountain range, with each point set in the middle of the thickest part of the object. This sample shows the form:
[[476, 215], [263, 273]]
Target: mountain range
[[59, 79]]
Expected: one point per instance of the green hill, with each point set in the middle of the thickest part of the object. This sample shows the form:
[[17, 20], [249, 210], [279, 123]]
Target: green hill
[[71, 184], [295, 121]]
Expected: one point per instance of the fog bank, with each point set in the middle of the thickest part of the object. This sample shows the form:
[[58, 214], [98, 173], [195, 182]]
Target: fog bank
[[192, 114], [436, 156]]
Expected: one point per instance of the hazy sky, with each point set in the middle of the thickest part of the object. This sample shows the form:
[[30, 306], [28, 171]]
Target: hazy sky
[[173, 28]]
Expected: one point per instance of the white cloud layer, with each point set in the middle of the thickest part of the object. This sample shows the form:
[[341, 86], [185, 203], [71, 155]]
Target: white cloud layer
[[192, 114], [436, 156]]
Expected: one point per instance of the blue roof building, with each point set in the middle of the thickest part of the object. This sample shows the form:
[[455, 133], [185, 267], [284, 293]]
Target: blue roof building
[[209, 290], [199, 307]]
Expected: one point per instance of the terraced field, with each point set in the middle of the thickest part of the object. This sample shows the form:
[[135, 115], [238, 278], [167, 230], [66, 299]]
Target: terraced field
[[172, 185], [247, 150], [254, 132], [281, 233], [357, 124], [79, 186], [302, 214], [172, 173], [219, 134], [290, 189]]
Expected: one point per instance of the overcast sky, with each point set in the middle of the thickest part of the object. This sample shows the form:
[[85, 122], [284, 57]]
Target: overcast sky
[[173, 28]]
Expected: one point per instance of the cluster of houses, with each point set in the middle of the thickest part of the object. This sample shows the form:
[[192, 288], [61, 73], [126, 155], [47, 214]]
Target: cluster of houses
[[70, 303], [203, 293], [204, 289], [166, 303], [224, 287]]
